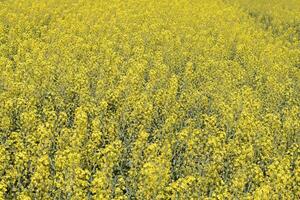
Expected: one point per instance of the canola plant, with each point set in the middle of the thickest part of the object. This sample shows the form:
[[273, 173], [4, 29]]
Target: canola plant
[[145, 99]]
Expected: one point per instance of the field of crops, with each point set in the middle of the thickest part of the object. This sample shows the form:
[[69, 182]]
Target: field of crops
[[149, 99]]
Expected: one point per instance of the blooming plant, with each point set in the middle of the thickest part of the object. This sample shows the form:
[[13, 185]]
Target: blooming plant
[[145, 99]]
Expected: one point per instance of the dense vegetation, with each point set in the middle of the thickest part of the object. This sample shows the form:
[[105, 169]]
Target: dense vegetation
[[145, 99]]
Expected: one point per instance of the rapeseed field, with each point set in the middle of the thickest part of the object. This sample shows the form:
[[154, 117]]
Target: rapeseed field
[[149, 99]]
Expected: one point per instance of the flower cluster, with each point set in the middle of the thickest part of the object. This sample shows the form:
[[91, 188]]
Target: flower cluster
[[145, 99]]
